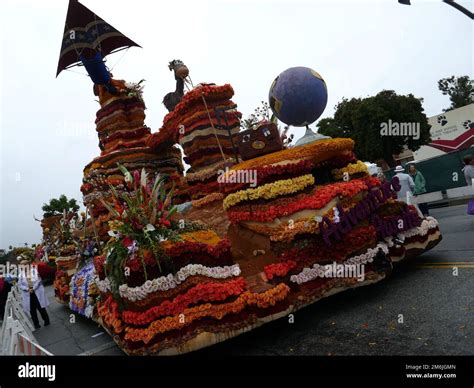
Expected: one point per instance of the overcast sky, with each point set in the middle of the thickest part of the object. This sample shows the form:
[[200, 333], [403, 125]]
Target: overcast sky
[[47, 132]]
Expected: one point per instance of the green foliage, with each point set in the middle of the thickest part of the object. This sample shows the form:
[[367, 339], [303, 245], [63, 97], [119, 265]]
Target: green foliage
[[141, 222], [58, 206], [459, 89], [360, 119]]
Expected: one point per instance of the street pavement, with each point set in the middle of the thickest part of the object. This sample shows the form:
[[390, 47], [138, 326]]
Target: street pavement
[[421, 309]]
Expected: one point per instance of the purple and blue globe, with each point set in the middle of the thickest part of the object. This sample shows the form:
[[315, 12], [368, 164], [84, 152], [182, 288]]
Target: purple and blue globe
[[298, 96]]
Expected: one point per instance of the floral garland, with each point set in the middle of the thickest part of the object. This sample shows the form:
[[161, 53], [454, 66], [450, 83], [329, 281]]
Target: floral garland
[[165, 283], [218, 252], [262, 300], [318, 270], [204, 292], [317, 199], [209, 92], [196, 112], [199, 112], [351, 169], [265, 173], [206, 172], [426, 225], [278, 269], [207, 200], [270, 190], [316, 151], [108, 311]]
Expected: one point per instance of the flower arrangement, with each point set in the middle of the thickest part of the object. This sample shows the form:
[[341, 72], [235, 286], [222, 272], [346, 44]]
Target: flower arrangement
[[171, 281], [265, 174], [134, 89], [316, 151], [317, 270], [141, 223], [61, 286], [270, 190], [80, 283], [108, 311], [217, 311], [317, 199], [351, 169], [204, 292]]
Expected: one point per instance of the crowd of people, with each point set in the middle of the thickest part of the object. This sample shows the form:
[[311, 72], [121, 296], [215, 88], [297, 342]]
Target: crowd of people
[[413, 183]]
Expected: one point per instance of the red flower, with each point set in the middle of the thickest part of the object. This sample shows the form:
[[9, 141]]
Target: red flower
[[165, 222], [127, 241]]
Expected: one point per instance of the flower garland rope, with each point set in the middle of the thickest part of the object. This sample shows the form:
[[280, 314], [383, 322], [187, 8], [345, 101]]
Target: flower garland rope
[[270, 190], [350, 169]]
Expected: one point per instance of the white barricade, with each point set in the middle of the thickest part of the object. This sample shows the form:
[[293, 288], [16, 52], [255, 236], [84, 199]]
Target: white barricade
[[26, 347], [16, 335]]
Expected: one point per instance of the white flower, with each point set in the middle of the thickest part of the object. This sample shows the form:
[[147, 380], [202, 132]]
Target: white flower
[[149, 228]]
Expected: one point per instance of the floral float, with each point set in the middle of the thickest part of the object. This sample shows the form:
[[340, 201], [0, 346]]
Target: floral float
[[304, 230], [286, 224], [164, 283]]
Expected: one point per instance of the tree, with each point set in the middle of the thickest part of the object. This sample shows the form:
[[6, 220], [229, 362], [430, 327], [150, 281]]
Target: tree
[[459, 89], [362, 120], [58, 206]]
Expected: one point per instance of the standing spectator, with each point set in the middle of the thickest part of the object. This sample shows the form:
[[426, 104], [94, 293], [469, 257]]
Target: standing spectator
[[468, 169], [420, 187], [33, 294], [406, 183]]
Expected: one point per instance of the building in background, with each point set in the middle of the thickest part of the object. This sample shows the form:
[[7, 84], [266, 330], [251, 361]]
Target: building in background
[[450, 131]]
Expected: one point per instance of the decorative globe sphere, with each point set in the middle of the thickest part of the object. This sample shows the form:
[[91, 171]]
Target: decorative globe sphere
[[298, 96]]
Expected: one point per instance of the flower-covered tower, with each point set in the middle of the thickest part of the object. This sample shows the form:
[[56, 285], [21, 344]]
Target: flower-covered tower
[[122, 140]]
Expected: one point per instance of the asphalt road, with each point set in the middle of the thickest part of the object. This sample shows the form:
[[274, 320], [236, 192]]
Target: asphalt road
[[437, 309]]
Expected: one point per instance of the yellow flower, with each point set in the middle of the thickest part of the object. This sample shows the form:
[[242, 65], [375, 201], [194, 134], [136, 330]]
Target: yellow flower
[[115, 225], [270, 190], [351, 169]]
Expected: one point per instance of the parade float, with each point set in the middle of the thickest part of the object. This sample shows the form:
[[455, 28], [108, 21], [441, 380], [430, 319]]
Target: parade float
[[62, 227], [261, 230]]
